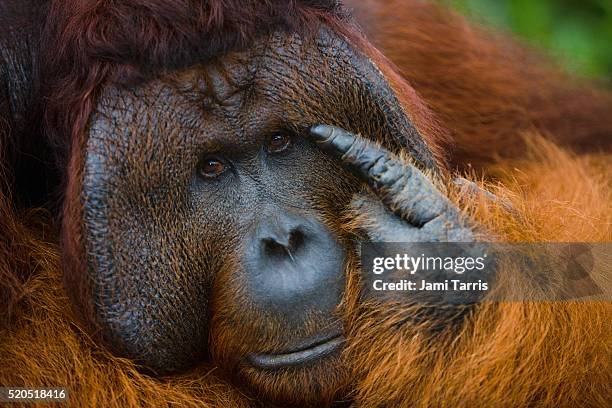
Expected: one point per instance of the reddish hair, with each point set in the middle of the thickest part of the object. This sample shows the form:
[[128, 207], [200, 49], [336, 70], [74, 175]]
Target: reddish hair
[[89, 43], [485, 88], [93, 43], [517, 354]]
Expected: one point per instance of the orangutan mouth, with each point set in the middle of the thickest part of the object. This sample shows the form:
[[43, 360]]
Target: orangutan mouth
[[313, 350]]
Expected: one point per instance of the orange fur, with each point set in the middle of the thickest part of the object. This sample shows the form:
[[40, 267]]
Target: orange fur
[[509, 354], [41, 346], [484, 88]]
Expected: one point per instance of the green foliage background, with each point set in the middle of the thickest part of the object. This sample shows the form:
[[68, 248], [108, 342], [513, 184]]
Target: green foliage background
[[577, 32]]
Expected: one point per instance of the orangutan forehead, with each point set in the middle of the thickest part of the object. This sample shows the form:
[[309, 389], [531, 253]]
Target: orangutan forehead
[[282, 68], [218, 83], [278, 60], [281, 81]]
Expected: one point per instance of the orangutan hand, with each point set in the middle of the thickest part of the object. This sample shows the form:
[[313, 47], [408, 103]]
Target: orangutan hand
[[406, 206]]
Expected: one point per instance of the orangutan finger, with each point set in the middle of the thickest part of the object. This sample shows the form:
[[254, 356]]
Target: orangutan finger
[[402, 187]]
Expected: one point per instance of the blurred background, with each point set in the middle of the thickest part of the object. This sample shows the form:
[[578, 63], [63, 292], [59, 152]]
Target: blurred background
[[578, 33]]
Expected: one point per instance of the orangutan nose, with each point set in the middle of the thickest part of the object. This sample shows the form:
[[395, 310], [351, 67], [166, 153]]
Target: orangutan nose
[[295, 266], [281, 243]]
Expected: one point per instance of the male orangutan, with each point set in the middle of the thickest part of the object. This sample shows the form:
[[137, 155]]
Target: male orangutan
[[185, 185]]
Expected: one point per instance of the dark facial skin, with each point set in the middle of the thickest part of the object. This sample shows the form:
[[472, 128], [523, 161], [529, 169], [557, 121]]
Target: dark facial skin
[[212, 225]]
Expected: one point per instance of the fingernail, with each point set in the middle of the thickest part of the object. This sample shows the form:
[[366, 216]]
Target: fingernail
[[321, 133]]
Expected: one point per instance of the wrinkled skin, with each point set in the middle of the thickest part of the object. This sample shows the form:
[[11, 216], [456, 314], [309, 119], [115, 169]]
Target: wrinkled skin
[[180, 264], [220, 221], [413, 209], [204, 189]]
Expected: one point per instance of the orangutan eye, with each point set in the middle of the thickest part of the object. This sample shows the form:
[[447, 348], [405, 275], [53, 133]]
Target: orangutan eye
[[211, 167], [278, 142]]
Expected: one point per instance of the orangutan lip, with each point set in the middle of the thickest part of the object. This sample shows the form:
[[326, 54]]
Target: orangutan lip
[[314, 351]]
